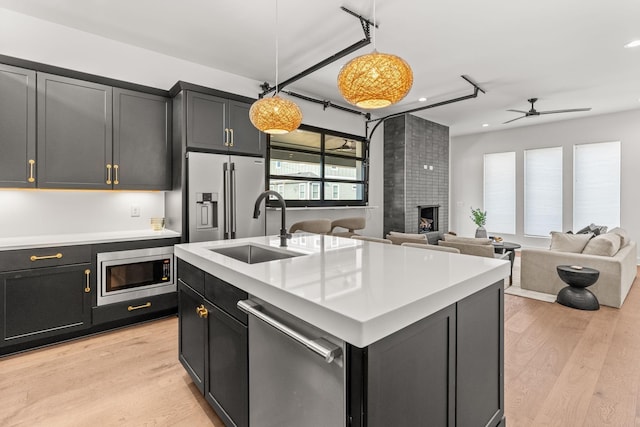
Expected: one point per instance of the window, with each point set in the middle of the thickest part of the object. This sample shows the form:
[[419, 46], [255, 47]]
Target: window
[[542, 191], [315, 191], [316, 158], [500, 192], [596, 184]]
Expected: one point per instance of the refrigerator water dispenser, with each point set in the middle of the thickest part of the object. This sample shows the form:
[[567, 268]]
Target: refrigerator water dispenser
[[206, 211]]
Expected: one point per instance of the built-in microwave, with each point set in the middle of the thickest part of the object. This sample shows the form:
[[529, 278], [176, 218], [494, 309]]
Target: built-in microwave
[[138, 273]]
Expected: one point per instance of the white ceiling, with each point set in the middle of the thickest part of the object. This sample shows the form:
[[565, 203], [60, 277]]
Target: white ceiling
[[567, 53]]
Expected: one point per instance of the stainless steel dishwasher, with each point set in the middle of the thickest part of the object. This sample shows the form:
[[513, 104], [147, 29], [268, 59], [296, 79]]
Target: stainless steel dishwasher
[[296, 371]]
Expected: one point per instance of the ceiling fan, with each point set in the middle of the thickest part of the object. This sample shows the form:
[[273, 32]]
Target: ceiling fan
[[534, 112], [346, 146]]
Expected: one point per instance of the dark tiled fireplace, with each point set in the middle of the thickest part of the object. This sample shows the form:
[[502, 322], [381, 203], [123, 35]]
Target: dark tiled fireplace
[[428, 218]]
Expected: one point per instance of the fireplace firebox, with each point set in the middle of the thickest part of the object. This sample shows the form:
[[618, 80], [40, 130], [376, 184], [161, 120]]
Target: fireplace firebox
[[428, 218]]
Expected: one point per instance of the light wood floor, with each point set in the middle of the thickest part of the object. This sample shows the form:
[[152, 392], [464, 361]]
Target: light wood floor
[[563, 367]]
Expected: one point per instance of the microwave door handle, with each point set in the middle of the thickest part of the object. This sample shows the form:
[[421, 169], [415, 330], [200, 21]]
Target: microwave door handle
[[225, 203], [233, 200]]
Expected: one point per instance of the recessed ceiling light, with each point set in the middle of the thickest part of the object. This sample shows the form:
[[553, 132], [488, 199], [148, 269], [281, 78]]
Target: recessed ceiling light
[[634, 43], [485, 125], [422, 99]]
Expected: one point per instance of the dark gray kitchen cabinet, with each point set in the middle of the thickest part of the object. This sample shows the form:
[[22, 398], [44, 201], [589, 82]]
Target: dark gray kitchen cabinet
[[227, 384], [74, 133], [141, 141], [213, 343], [17, 127], [51, 297], [449, 367], [220, 124], [480, 358], [192, 330], [417, 361]]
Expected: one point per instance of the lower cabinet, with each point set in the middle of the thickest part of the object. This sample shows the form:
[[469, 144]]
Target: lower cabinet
[[227, 381], [213, 348], [192, 332], [44, 302], [444, 370]]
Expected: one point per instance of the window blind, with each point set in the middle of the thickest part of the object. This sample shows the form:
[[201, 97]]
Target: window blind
[[596, 184], [500, 192], [542, 191]]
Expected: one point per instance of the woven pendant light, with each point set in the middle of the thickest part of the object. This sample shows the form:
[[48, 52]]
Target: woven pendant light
[[275, 115], [375, 80]]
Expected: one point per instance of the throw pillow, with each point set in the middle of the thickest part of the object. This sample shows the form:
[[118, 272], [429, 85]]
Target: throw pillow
[[623, 235], [466, 240], [605, 245], [592, 228], [563, 242]]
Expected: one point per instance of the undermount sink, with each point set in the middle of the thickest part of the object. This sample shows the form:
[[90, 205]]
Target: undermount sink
[[252, 254]]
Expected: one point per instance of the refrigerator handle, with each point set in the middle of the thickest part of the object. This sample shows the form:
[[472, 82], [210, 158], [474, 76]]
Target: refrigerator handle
[[232, 199], [226, 204]]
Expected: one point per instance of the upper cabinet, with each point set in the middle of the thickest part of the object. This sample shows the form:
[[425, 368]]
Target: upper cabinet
[[220, 124], [17, 127], [141, 141], [74, 133], [92, 136]]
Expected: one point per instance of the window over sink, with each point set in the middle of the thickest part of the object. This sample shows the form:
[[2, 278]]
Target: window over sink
[[303, 162]]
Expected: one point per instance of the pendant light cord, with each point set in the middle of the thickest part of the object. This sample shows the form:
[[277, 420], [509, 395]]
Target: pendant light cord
[[374, 24], [277, 31]]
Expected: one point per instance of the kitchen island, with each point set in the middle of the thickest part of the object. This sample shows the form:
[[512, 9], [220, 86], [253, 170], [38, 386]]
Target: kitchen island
[[410, 336]]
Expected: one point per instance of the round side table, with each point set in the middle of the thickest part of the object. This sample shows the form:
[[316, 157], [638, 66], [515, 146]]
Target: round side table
[[576, 295]]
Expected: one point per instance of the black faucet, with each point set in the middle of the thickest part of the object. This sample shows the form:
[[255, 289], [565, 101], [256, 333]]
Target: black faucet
[[283, 228]]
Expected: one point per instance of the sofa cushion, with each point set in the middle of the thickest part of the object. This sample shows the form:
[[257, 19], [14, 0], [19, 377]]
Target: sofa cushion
[[564, 242], [398, 238], [408, 235], [607, 244], [624, 236], [466, 240]]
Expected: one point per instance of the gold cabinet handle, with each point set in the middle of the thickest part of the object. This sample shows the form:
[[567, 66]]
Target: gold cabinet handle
[[231, 131], [202, 311], [226, 137], [38, 258], [138, 307], [31, 176], [115, 174], [108, 173], [87, 274]]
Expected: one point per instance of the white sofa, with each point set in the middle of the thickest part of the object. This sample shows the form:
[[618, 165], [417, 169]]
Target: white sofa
[[617, 271]]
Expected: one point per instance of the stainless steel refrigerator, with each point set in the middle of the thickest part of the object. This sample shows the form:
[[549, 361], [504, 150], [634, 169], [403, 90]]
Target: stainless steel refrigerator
[[222, 191]]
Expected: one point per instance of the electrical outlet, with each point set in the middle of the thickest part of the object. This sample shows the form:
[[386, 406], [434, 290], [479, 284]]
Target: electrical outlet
[[135, 210]]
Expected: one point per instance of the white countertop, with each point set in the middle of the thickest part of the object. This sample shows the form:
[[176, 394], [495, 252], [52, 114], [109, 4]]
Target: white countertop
[[356, 290], [27, 242]]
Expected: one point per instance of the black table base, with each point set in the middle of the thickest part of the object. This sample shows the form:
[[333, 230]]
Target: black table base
[[580, 298]]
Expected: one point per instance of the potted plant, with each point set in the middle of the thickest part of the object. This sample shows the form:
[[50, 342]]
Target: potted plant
[[479, 218]]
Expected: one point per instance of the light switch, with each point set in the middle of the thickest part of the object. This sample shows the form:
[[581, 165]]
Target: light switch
[[135, 210]]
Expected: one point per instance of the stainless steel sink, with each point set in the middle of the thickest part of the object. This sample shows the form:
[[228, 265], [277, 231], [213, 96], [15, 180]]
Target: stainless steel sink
[[252, 254]]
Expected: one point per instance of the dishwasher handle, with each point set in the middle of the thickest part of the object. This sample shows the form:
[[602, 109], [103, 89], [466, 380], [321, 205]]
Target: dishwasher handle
[[322, 347]]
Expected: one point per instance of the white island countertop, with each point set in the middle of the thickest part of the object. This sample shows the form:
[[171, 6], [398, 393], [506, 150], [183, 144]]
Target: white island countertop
[[69, 239], [356, 290]]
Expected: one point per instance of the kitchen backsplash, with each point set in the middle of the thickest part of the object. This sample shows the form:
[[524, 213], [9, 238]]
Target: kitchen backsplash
[[38, 212]]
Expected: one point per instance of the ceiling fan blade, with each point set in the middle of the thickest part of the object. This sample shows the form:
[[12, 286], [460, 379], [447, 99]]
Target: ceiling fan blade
[[513, 120], [571, 110], [518, 111]]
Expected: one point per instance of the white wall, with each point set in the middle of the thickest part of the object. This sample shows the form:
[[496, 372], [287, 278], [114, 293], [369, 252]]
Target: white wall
[[466, 156], [37, 212], [41, 41]]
